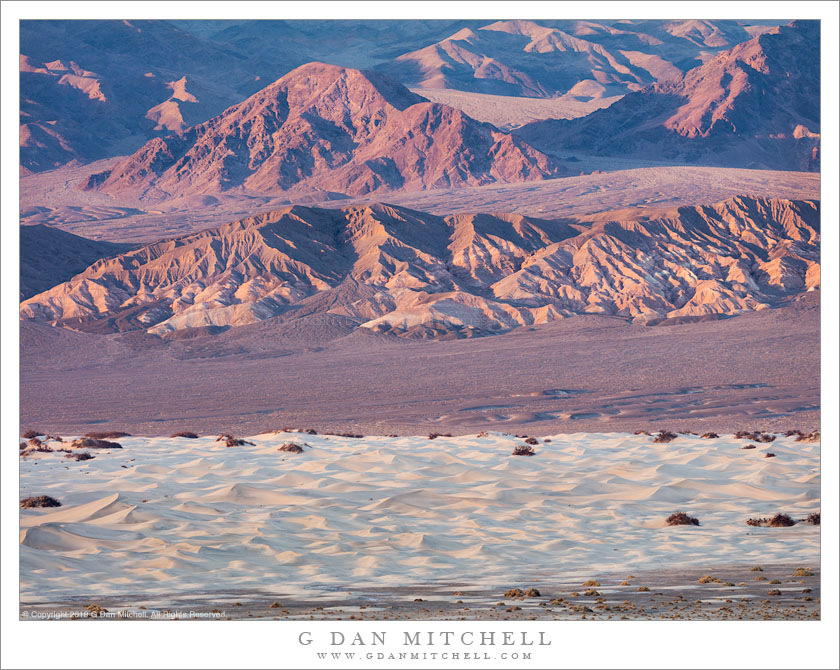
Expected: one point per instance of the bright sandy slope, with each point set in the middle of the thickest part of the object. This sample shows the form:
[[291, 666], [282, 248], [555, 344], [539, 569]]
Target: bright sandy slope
[[164, 516]]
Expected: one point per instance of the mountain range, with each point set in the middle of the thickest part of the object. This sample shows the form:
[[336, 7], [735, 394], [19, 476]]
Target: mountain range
[[414, 274], [755, 105], [95, 89]]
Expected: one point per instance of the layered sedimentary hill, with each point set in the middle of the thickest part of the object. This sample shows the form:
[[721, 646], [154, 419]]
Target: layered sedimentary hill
[[417, 274], [755, 105], [327, 128]]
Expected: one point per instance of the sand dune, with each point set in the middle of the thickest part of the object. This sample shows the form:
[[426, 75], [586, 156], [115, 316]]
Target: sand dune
[[196, 515]]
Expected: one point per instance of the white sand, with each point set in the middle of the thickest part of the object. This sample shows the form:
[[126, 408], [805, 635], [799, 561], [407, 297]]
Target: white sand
[[193, 515]]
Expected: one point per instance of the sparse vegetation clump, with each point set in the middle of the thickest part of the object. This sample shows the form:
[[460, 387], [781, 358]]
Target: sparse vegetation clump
[[532, 593], [641, 432], [781, 521], [433, 436], [29, 434], [813, 519], [643, 589], [774, 592], [109, 435], [80, 456], [187, 434], [39, 501], [813, 436], [291, 448], [34, 445], [231, 441], [94, 443], [591, 592], [532, 440], [777, 521], [681, 519], [710, 436], [769, 454], [665, 436], [514, 593], [748, 446], [708, 579], [803, 572], [524, 450], [756, 568], [592, 582]]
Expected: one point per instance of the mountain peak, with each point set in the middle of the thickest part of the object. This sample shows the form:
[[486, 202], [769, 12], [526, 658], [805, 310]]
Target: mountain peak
[[331, 128]]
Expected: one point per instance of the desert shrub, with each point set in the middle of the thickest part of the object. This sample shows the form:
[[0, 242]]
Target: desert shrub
[[803, 572], [681, 519], [748, 446], [625, 583], [80, 456], [231, 441], [775, 581], [781, 521], [291, 447], [592, 582], [433, 436], [546, 440], [708, 579], [813, 519], [813, 436], [591, 592], [643, 589], [769, 454], [766, 437], [747, 435], [774, 592], [514, 593], [532, 593], [641, 432], [275, 605], [777, 521], [791, 433], [523, 450], [94, 443], [710, 436], [185, 433], [39, 501], [532, 440], [109, 435], [22, 446], [32, 433], [665, 436]]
